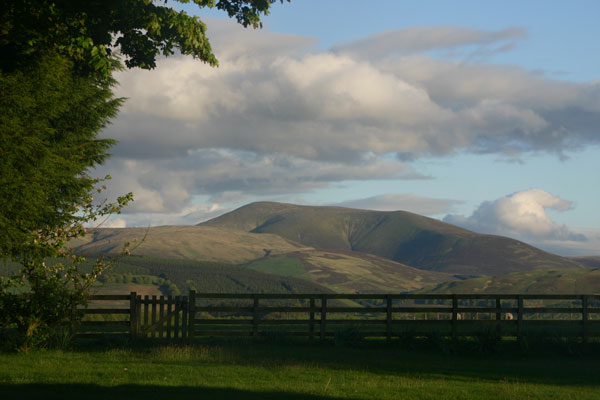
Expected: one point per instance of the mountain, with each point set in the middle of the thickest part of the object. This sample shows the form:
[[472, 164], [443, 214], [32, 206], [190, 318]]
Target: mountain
[[404, 237], [588, 261], [266, 253], [350, 272], [537, 281], [202, 243]]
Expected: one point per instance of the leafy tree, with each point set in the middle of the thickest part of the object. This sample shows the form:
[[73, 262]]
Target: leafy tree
[[87, 32], [56, 63], [48, 126]]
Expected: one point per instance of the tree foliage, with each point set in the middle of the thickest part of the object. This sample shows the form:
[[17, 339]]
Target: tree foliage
[[88, 32], [56, 63], [49, 124]]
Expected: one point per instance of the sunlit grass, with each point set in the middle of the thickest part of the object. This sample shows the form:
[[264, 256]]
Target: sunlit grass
[[298, 371]]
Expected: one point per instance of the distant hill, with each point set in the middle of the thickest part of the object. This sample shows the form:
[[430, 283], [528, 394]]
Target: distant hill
[[350, 272], [267, 253], [215, 277], [537, 281], [201, 243], [588, 261], [404, 237]]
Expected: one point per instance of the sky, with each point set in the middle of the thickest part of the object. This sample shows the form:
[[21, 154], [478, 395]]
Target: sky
[[481, 114]]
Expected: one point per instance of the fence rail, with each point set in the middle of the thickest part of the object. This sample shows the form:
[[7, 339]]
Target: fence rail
[[326, 315]]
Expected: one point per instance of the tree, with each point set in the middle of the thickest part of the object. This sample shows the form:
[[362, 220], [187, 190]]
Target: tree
[[56, 63], [87, 32], [48, 126], [50, 122]]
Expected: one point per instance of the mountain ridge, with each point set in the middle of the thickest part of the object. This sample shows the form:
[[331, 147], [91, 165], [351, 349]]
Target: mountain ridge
[[408, 238]]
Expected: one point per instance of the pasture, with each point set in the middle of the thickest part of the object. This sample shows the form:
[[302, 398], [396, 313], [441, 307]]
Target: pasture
[[271, 370]]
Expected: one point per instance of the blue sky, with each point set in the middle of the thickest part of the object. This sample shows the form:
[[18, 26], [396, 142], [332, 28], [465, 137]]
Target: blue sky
[[483, 114]]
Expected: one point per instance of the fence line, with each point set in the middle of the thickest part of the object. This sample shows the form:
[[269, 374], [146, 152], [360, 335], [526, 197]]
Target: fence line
[[326, 315]]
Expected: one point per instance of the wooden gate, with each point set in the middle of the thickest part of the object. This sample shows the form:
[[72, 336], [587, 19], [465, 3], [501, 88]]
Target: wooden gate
[[160, 317]]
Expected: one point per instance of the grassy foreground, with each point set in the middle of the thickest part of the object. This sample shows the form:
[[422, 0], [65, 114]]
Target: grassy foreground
[[295, 371]]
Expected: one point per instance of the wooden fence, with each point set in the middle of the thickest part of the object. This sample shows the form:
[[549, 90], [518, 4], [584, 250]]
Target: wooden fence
[[328, 315]]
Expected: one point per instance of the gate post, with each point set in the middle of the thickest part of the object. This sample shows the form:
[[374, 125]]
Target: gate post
[[133, 315]]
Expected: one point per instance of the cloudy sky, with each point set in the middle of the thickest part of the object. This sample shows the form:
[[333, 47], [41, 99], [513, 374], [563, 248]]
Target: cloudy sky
[[481, 114]]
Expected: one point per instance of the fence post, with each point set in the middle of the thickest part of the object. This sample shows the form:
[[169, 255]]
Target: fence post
[[311, 323], [177, 310], [133, 323], [388, 322], [454, 315], [146, 315], [498, 315], [191, 328], [184, 318], [255, 316], [584, 318], [138, 316], [153, 319], [323, 316], [520, 317], [161, 314]]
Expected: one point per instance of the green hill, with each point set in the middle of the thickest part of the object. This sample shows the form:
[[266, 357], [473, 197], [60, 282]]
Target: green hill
[[350, 272], [202, 243], [537, 281], [175, 276], [340, 271], [401, 236], [588, 261]]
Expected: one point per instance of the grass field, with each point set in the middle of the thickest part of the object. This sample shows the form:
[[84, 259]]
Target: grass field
[[246, 370]]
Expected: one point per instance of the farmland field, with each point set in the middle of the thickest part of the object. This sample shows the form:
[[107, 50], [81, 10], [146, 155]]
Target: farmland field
[[270, 370]]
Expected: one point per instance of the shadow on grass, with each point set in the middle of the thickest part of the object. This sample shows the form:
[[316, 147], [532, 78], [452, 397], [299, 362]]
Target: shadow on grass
[[543, 364], [146, 392], [550, 365]]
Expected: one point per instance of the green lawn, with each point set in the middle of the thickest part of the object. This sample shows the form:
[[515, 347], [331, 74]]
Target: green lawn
[[246, 370]]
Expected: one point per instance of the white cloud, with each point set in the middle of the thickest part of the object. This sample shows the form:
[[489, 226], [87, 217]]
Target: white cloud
[[111, 222], [404, 202], [168, 185], [189, 215], [523, 215], [275, 119]]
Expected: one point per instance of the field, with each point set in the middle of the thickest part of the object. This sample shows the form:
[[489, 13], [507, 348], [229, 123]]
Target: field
[[271, 370]]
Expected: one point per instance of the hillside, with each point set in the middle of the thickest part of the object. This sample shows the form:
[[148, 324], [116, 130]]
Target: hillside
[[538, 281], [203, 243], [149, 275], [268, 253], [350, 272], [401, 236], [588, 261], [339, 271]]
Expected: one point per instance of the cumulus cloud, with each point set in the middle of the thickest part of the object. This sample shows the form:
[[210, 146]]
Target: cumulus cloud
[[188, 215], [277, 118], [168, 185], [520, 215], [111, 222], [404, 202]]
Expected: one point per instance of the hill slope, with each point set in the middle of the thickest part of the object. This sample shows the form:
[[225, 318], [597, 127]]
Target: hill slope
[[588, 261], [350, 272], [537, 281], [202, 243], [340, 271], [404, 237]]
